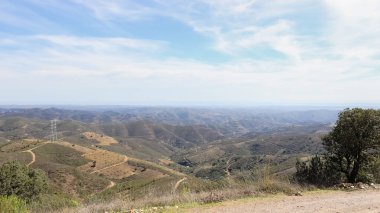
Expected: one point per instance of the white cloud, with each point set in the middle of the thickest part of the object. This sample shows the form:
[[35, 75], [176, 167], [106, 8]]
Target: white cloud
[[140, 78], [107, 10], [235, 26], [354, 28], [338, 65], [101, 43]]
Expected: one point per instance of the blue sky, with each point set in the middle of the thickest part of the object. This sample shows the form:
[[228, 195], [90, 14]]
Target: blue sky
[[199, 52]]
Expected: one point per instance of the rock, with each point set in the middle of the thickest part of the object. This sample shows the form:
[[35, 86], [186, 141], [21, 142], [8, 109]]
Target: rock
[[298, 193], [345, 185], [373, 186], [360, 185]]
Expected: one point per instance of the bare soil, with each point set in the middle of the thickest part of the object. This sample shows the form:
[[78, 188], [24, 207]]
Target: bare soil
[[331, 201], [103, 140], [179, 182]]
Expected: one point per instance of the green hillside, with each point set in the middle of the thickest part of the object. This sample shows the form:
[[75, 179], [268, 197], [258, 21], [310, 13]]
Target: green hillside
[[107, 155]]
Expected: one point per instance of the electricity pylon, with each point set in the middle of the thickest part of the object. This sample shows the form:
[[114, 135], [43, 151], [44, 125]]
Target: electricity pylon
[[53, 127]]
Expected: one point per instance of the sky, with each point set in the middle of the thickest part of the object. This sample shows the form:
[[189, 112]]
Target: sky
[[181, 52]]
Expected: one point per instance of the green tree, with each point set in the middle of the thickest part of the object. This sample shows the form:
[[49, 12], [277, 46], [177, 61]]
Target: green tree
[[353, 142], [22, 181]]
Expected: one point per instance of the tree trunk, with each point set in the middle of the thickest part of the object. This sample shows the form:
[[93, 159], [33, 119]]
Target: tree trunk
[[354, 173]]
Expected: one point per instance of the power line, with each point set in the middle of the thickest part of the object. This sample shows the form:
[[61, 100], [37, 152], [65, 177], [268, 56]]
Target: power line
[[53, 128]]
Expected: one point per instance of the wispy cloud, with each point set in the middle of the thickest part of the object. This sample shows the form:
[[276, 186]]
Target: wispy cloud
[[335, 61], [101, 44], [235, 26], [107, 10], [126, 74]]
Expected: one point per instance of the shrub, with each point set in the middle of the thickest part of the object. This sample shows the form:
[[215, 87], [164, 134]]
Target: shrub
[[371, 173], [316, 171], [12, 204], [17, 179], [51, 202], [214, 173], [274, 186], [263, 177], [375, 169], [213, 198]]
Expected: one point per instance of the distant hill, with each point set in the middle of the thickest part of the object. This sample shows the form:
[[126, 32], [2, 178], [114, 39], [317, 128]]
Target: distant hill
[[161, 144], [225, 121]]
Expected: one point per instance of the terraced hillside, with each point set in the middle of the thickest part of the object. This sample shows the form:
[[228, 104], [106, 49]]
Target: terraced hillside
[[131, 152], [82, 171]]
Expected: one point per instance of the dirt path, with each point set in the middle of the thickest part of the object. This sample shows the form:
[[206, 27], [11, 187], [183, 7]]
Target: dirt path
[[228, 165], [33, 157], [179, 182], [334, 201], [32, 153], [107, 167], [112, 184]]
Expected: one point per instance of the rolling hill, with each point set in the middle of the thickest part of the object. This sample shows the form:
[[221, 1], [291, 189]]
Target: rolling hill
[[103, 153]]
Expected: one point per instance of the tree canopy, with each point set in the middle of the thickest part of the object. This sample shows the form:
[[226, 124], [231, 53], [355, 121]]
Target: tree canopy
[[354, 140], [352, 150], [22, 181]]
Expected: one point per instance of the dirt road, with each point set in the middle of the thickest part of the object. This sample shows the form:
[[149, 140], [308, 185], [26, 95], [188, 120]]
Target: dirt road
[[332, 201], [32, 153], [179, 182], [114, 165], [33, 157]]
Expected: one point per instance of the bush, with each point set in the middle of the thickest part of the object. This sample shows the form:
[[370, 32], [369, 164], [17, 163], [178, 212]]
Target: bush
[[214, 173], [12, 204], [274, 186], [317, 172], [266, 182], [51, 202], [213, 198], [371, 173], [17, 179]]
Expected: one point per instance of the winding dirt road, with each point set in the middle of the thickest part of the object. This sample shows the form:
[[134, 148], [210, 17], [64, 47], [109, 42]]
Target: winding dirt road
[[321, 202], [112, 184], [32, 153], [179, 182], [33, 157], [113, 165]]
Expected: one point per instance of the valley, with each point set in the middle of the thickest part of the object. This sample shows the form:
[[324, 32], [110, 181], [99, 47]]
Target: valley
[[127, 153]]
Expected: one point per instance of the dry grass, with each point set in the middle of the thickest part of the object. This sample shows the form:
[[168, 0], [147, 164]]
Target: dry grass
[[165, 162], [118, 172], [19, 145], [103, 140], [103, 159], [190, 192], [211, 153], [110, 164], [78, 148], [155, 197], [154, 166]]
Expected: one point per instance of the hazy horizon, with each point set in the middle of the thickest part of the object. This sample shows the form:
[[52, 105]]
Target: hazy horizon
[[240, 53], [195, 107]]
